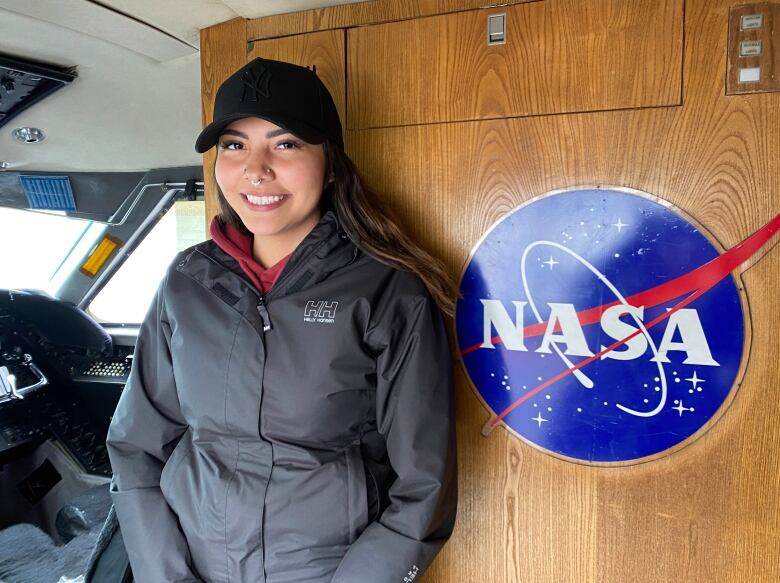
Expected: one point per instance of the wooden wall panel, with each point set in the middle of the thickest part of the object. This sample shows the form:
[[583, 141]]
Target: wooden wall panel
[[708, 512], [560, 56], [222, 51], [324, 49], [362, 13]]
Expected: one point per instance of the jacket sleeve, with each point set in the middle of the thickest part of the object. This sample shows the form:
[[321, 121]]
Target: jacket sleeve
[[145, 428], [415, 415]]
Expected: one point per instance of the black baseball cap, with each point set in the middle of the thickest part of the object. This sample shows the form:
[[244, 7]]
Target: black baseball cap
[[291, 96]]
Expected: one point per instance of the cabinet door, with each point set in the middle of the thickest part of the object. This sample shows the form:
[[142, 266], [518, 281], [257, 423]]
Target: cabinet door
[[559, 56], [323, 50]]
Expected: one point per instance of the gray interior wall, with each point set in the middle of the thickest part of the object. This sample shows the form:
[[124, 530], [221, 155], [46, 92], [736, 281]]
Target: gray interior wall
[[98, 195]]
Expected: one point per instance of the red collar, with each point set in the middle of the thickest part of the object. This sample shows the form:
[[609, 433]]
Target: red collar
[[239, 247]]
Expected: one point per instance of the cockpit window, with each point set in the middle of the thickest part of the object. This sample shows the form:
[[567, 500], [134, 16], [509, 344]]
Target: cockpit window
[[37, 245], [127, 295]]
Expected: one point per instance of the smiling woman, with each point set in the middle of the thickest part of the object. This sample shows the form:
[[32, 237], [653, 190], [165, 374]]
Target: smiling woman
[[310, 324], [261, 168]]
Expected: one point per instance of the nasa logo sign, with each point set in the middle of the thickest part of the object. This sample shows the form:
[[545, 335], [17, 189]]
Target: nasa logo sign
[[601, 326]]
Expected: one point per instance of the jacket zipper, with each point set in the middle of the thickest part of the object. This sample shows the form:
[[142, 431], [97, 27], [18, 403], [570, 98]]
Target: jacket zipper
[[263, 311], [261, 308]]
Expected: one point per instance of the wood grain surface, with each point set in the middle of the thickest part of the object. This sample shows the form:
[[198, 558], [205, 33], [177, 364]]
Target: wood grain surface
[[358, 14], [222, 52], [560, 56], [711, 510]]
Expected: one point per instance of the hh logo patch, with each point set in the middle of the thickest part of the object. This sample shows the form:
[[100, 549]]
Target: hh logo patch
[[320, 311]]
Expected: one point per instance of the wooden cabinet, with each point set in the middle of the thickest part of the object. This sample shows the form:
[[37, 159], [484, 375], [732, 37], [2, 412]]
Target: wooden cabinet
[[560, 56], [323, 50]]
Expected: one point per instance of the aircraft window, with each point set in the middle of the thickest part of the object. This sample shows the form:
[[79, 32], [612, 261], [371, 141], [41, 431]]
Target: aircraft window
[[127, 295], [37, 245]]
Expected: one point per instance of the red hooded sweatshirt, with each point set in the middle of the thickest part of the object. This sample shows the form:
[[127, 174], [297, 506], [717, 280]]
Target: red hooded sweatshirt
[[239, 247]]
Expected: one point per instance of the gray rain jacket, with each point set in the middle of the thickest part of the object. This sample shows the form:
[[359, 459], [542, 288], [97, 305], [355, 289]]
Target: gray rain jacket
[[305, 436]]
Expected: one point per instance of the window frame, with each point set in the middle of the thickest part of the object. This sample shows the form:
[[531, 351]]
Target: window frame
[[191, 190]]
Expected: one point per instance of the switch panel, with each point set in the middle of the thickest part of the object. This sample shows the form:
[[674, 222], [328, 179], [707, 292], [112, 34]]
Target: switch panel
[[754, 49]]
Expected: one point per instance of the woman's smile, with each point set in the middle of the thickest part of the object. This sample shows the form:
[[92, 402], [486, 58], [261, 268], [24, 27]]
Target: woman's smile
[[264, 202]]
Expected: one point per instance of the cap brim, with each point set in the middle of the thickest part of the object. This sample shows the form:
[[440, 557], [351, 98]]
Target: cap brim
[[207, 139]]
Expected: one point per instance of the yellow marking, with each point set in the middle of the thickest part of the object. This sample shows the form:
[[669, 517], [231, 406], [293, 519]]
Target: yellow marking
[[100, 254]]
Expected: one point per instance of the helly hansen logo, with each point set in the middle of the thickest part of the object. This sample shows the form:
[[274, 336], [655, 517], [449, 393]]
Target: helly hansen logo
[[320, 311]]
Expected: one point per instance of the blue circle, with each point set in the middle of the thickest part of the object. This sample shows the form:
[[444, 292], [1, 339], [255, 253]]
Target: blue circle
[[579, 248]]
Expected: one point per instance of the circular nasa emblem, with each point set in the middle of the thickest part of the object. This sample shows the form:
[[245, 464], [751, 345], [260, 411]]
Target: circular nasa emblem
[[601, 326]]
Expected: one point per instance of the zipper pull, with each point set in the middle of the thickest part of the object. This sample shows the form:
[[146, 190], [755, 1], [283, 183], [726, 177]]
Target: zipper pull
[[261, 309]]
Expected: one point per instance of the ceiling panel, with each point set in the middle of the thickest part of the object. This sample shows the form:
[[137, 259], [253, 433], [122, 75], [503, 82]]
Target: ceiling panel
[[94, 20], [180, 18], [123, 112], [136, 102], [255, 9]]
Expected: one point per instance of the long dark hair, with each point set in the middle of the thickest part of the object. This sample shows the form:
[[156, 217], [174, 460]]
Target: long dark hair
[[372, 226]]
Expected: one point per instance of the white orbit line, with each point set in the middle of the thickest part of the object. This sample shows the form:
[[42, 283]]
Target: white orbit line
[[582, 377]]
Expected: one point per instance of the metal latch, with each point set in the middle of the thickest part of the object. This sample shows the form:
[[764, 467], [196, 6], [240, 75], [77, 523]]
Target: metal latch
[[496, 29]]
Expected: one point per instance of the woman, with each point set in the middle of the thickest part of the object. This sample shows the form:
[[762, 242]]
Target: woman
[[288, 417]]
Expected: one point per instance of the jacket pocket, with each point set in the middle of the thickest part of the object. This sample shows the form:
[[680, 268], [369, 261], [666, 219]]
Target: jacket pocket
[[372, 496], [357, 500], [179, 453], [379, 478]]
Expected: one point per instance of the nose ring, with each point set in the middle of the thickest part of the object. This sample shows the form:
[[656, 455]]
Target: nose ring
[[256, 182]]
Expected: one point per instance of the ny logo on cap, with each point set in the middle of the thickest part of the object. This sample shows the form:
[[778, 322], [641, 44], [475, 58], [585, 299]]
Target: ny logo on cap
[[257, 80]]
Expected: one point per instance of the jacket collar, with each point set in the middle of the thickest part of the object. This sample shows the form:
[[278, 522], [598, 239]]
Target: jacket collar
[[324, 250]]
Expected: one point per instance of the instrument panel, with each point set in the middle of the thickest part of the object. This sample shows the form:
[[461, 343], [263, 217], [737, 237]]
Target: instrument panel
[[61, 375]]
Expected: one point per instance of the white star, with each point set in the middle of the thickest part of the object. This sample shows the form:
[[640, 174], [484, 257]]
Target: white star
[[539, 419], [551, 262], [681, 408], [694, 379], [620, 224]]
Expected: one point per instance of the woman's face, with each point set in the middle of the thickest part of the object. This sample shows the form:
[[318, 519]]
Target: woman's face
[[271, 178]]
